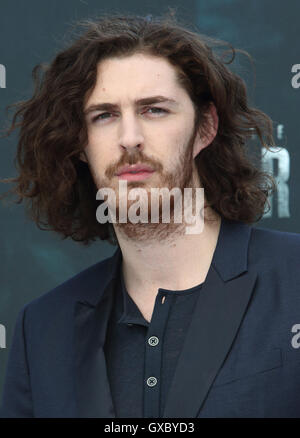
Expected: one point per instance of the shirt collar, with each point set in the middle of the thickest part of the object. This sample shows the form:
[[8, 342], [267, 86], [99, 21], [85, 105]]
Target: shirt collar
[[230, 260], [130, 312]]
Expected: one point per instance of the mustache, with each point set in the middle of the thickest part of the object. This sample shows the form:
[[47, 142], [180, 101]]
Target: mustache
[[131, 159]]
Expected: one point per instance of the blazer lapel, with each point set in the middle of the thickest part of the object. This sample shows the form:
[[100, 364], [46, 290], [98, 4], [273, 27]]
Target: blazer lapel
[[91, 315], [225, 295], [218, 315]]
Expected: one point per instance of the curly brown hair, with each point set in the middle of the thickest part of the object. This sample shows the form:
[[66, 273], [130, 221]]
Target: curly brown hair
[[58, 187]]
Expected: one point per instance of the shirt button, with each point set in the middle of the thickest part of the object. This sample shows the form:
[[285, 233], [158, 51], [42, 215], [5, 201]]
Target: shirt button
[[153, 340], [151, 381]]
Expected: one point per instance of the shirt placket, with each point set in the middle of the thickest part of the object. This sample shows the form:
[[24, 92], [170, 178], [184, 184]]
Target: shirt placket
[[153, 355]]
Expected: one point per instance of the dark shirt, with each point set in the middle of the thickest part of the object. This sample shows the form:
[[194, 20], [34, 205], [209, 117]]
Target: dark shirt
[[141, 357]]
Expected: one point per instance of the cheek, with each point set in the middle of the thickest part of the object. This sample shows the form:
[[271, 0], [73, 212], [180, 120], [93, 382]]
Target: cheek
[[98, 159], [167, 140], [97, 147]]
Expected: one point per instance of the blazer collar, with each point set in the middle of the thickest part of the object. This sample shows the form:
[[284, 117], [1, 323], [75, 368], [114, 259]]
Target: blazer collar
[[229, 260], [204, 350], [97, 279]]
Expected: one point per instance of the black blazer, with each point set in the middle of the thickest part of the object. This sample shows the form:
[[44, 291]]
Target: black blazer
[[245, 364]]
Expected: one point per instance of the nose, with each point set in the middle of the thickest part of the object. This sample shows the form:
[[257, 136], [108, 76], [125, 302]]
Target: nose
[[131, 136]]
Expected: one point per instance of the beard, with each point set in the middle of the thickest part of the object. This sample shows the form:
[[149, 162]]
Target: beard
[[183, 176]]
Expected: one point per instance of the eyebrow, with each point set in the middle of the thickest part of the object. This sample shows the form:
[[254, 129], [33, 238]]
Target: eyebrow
[[105, 106]]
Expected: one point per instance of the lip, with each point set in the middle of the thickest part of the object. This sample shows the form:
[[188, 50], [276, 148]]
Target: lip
[[141, 168], [135, 176]]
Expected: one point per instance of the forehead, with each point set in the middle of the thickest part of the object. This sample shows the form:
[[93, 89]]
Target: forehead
[[135, 76]]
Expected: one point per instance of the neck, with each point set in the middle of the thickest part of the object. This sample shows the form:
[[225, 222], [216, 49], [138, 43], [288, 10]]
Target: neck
[[177, 263]]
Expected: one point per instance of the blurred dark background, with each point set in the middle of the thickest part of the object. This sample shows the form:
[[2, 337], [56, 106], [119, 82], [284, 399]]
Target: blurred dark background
[[32, 261]]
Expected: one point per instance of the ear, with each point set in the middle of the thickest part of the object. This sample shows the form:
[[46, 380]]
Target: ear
[[82, 156], [208, 131]]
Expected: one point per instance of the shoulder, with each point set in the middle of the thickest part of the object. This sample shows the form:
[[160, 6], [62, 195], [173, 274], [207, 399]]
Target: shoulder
[[275, 249], [271, 240], [75, 288]]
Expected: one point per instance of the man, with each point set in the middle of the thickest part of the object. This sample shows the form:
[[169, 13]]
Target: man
[[173, 324]]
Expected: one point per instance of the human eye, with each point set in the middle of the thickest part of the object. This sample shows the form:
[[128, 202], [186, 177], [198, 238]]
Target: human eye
[[157, 110], [100, 117]]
